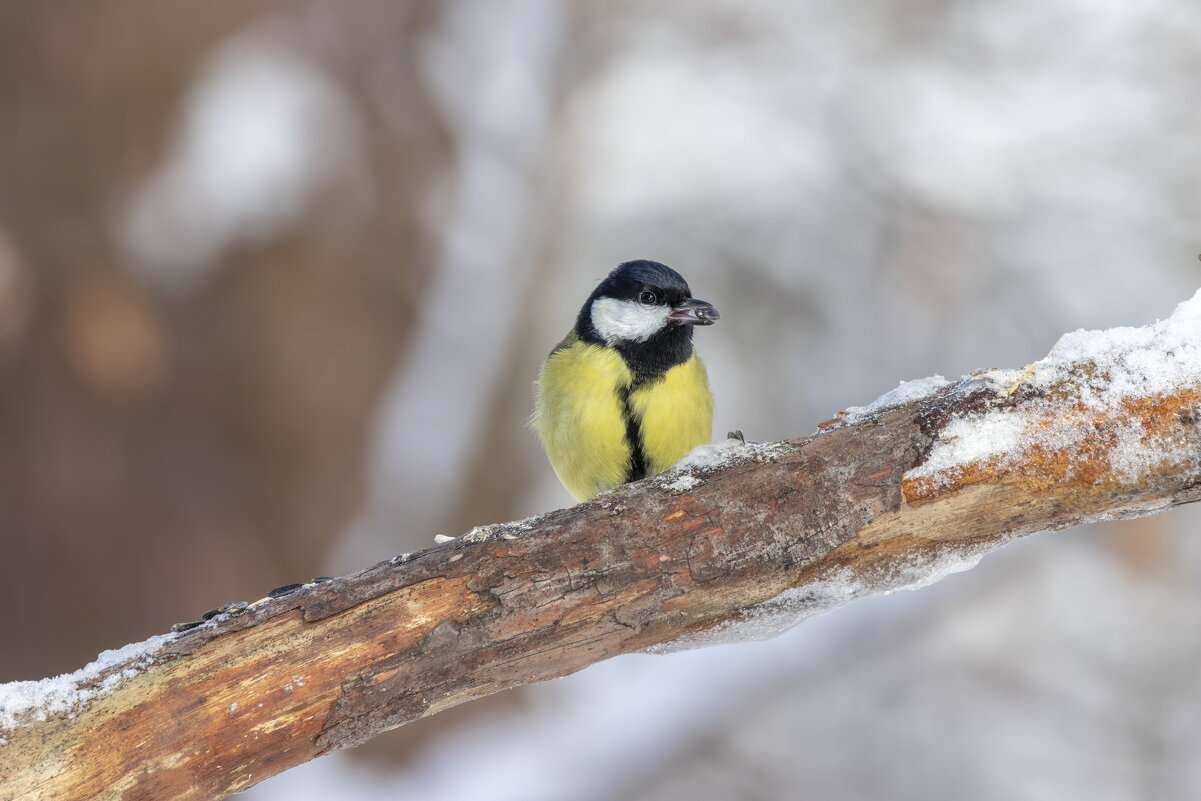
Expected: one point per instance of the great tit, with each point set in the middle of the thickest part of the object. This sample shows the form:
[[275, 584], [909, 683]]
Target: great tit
[[624, 395]]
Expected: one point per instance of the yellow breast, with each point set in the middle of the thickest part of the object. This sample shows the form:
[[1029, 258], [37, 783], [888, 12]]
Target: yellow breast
[[675, 413], [592, 417]]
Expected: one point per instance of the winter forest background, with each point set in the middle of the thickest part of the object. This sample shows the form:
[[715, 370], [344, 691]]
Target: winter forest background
[[276, 277]]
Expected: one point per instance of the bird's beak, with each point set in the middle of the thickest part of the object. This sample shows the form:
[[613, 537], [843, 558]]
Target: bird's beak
[[694, 312]]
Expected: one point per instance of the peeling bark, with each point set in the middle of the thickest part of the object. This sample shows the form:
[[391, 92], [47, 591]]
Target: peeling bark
[[245, 697]]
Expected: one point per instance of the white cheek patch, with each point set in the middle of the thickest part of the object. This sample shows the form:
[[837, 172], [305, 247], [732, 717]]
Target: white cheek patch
[[627, 320]]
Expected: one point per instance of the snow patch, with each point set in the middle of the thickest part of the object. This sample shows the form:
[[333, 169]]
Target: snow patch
[[686, 474], [38, 700], [1125, 362], [904, 392], [707, 458], [684, 483], [1100, 369], [974, 439], [715, 455], [504, 531]]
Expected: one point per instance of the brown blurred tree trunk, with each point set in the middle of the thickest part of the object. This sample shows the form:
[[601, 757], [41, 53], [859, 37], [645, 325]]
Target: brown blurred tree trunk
[[157, 449]]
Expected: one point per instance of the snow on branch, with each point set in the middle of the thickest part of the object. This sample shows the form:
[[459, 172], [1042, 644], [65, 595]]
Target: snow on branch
[[737, 541]]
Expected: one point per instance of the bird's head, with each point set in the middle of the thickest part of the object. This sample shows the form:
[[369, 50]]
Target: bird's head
[[640, 300]]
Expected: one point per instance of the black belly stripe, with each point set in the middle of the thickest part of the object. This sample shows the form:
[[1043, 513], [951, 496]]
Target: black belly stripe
[[637, 468]]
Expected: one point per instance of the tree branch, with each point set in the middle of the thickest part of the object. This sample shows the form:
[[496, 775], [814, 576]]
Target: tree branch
[[895, 494]]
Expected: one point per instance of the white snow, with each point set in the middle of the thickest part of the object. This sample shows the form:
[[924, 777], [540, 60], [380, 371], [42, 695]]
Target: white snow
[[707, 458], [684, 483], [1126, 361], [714, 455], [904, 392], [1098, 370], [504, 531], [686, 474], [973, 439], [37, 700]]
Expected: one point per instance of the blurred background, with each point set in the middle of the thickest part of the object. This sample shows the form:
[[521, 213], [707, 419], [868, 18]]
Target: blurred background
[[276, 277]]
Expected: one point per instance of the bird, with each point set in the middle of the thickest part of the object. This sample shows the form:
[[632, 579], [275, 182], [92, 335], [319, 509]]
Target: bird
[[624, 395]]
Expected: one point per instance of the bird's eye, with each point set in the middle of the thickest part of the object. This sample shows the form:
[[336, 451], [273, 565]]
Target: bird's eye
[[649, 298]]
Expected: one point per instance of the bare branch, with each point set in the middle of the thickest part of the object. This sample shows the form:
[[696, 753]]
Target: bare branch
[[886, 496]]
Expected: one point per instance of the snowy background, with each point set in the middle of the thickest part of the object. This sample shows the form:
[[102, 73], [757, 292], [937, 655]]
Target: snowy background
[[276, 277]]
